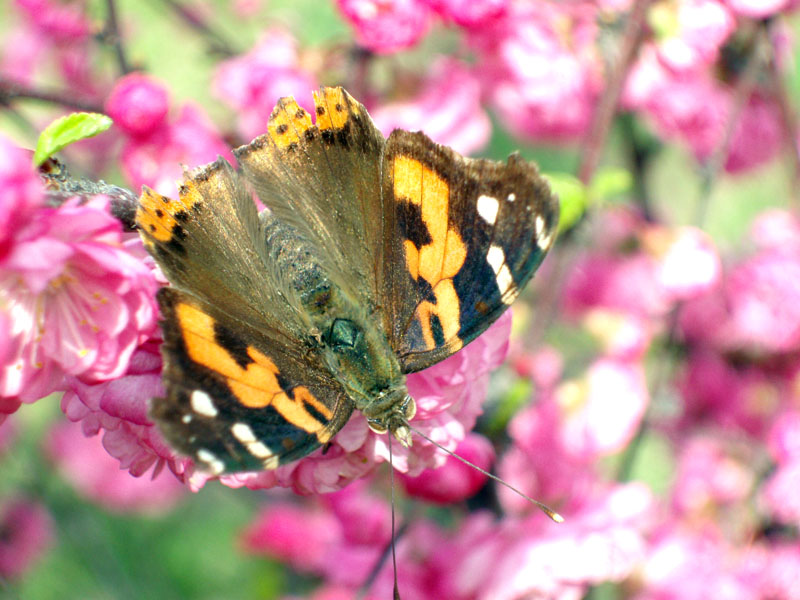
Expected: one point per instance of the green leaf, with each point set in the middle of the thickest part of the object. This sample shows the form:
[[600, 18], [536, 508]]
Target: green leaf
[[572, 197], [610, 182], [67, 130]]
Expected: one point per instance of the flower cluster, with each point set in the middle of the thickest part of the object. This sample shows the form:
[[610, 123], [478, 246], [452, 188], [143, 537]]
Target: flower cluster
[[651, 396]]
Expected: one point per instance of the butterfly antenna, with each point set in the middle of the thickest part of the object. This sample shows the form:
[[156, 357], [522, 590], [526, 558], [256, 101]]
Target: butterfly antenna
[[554, 516], [394, 553], [389, 548]]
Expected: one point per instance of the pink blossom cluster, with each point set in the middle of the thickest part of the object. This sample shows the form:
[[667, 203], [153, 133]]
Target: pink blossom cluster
[[675, 346]]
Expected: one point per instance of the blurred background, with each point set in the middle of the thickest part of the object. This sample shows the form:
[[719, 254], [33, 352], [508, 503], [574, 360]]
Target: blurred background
[[648, 387]]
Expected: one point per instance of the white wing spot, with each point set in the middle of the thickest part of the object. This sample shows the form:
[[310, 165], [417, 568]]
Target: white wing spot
[[487, 208], [505, 282], [243, 433], [202, 404], [511, 197], [539, 226], [544, 237], [187, 418], [271, 462], [215, 465]]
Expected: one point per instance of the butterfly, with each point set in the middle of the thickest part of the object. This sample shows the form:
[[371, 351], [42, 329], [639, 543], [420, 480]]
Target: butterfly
[[374, 258]]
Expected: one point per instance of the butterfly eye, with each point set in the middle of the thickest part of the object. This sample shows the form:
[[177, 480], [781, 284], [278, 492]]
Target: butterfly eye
[[377, 426], [343, 334], [409, 408]]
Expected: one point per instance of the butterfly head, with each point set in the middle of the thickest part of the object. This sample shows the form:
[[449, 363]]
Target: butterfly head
[[391, 411]]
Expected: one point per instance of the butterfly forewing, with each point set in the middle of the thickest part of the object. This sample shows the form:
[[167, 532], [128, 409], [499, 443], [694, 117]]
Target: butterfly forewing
[[323, 178], [462, 237]]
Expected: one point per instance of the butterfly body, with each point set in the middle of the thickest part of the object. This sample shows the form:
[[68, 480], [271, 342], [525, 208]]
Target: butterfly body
[[354, 350], [374, 258]]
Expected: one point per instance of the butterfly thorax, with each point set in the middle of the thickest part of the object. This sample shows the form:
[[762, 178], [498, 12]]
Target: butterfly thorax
[[352, 344]]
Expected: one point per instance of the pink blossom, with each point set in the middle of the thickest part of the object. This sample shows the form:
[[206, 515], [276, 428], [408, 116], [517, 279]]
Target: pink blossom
[[538, 461], [190, 139], [688, 262], [87, 465], [385, 26], [252, 83], [779, 493], [757, 137], [21, 192], [776, 229], [692, 565], [622, 335], [454, 481], [688, 106], [621, 283], [763, 294], [118, 409], [729, 395], [470, 13], [307, 537], [535, 558], [783, 440], [692, 106], [138, 104], [692, 36], [544, 367], [27, 534], [63, 21], [773, 570], [760, 9], [448, 109], [540, 69], [708, 476], [300, 536], [603, 412], [23, 50], [79, 300], [757, 308]]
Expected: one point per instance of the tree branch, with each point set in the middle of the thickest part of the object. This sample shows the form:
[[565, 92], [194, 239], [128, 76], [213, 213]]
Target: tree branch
[[111, 35], [10, 91], [217, 44], [604, 114], [741, 95]]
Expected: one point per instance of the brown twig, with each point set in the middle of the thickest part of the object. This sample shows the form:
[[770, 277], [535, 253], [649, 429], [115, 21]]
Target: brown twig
[[595, 142], [742, 91], [604, 114], [10, 91], [217, 44], [111, 35]]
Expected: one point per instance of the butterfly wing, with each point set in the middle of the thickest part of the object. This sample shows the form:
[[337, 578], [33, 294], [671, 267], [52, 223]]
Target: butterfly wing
[[245, 389], [233, 402], [462, 237], [323, 179]]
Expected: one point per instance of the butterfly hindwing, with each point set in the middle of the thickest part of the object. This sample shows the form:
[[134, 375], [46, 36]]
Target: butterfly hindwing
[[233, 403], [462, 237]]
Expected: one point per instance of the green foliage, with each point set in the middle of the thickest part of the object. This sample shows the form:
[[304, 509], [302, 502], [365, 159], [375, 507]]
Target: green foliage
[[576, 198], [68, 130]]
